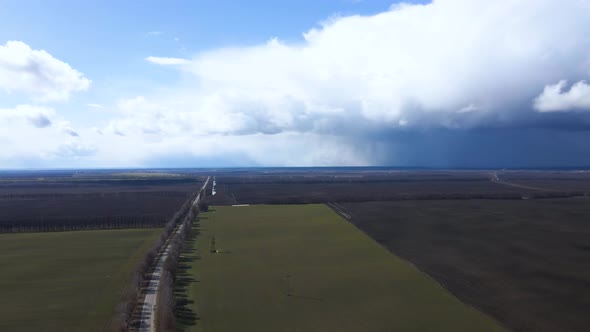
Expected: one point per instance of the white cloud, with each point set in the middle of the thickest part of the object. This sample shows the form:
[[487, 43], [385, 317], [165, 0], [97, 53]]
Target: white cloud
[[36, 116], [37, 73], [31, 133], [469, 108], [450, 63], [74, 150], [414, 64], [555, 99], [164, 61]]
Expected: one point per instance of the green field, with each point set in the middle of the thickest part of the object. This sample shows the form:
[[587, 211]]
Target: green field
[[68, 281], [340, 279]]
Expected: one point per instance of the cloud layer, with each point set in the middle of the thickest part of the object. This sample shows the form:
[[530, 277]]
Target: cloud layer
[[449, 64], [33, 136], [430, 85], [37, 73], [455, 65]]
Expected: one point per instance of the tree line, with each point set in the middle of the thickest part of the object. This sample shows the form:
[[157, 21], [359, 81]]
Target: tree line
[[91, 221], [166, 303], [86, 195], [128, 310], [77, 223]]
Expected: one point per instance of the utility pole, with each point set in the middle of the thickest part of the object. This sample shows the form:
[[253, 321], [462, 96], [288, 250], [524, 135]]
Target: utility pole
[[213, 249]]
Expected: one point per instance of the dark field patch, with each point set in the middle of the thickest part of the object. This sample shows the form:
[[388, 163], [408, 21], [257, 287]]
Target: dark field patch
[[550, 181], [107, 201], [359, 187], [524, 262]]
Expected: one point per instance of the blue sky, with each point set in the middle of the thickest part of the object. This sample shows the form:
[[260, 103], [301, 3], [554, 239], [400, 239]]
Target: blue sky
[[106, 39], [294, 83], [109, 40]]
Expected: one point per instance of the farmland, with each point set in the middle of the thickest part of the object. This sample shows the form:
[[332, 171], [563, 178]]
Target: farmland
[[67, 281], [521, 261], [524, 262], [550, 180], [504, 246], [317, 186], [38, 202], [303, 268]]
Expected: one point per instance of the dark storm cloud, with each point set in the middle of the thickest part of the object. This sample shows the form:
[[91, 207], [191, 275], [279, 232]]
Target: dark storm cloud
[[486, 147]]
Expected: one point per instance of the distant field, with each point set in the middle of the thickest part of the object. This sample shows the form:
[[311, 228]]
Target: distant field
[[577, 182], [525, 262], [317, 186], [337, 277], [40, 203], [68, 281], [346, 190]]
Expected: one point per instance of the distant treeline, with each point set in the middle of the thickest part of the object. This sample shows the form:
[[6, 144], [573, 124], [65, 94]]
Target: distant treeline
[[401, 197], [85, 183], [121, 194], [365, 197], [76, 223], [348, 180]]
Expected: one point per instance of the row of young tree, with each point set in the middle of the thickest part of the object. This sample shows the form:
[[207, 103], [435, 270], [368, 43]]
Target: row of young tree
[[166, 303], [128, 311], [92, 222], [77, 223], [89, 195]]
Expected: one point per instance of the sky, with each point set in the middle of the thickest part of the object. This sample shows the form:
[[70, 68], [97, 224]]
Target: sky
[[205, 83]]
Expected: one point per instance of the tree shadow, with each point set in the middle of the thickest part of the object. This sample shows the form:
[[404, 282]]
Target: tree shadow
[[185, 315]]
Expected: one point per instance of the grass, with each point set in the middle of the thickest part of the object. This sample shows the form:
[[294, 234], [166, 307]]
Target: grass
[[340, 279], [68, 281]]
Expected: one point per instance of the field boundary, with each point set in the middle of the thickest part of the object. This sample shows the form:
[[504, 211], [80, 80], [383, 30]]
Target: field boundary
[[340, 210], [431, 277]]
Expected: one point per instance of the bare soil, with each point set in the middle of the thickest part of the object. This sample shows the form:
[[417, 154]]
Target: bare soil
[[523, 262]]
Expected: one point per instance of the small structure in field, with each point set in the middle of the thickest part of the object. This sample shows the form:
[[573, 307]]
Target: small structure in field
[[213, 249]]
